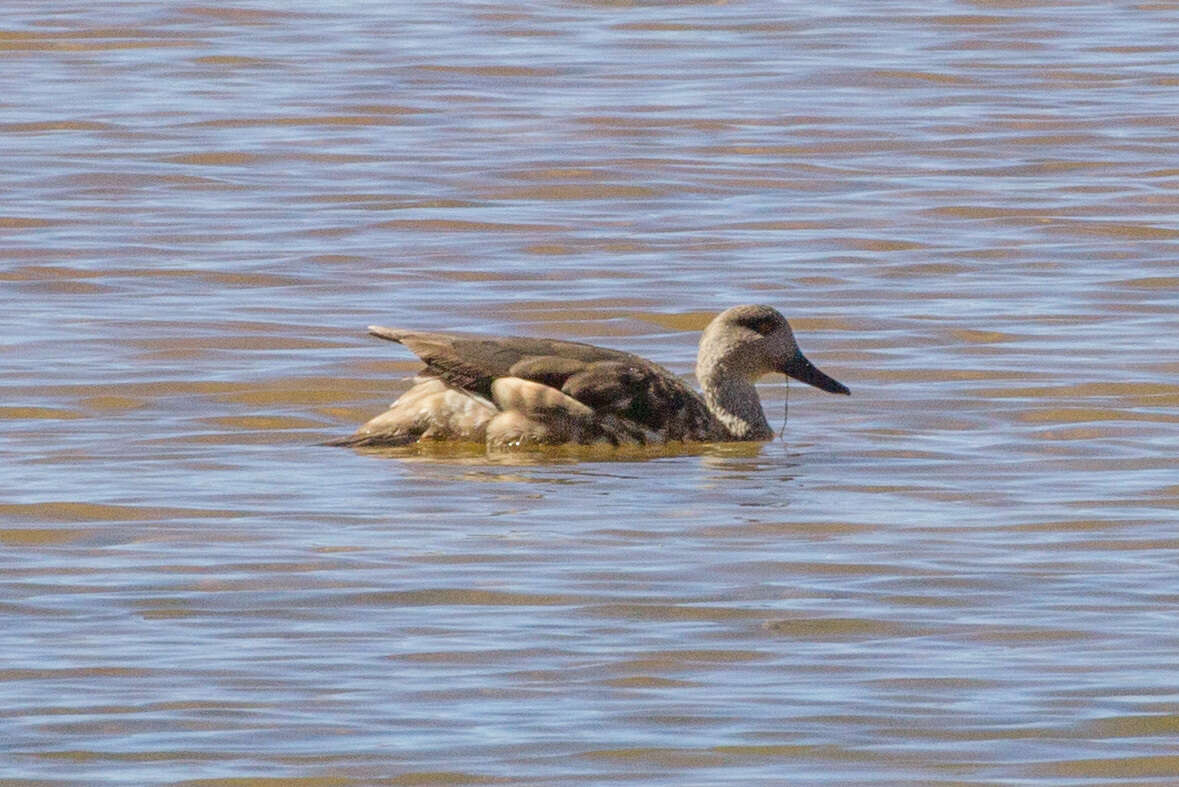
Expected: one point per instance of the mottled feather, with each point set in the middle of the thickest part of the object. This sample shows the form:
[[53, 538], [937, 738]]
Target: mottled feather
[[514, 391]]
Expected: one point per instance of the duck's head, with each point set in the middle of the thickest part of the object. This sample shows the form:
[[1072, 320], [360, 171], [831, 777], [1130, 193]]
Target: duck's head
[[751, 341]]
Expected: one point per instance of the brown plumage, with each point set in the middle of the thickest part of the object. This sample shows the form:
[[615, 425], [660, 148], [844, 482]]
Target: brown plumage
[[514, 391]]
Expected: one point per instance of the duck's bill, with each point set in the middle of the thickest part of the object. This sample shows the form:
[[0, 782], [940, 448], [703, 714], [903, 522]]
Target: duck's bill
[[803, 370]]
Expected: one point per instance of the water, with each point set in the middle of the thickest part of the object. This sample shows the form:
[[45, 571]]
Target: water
[[965, 573]]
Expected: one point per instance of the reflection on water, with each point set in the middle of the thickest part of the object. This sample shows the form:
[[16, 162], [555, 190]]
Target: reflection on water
[[962, 573], [457, 454]]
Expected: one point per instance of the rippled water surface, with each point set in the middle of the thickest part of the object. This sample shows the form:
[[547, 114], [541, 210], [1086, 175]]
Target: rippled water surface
[[966, 572]]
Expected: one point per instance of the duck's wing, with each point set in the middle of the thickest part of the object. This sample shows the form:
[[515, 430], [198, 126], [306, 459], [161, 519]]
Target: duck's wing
[[474, 362], [642, 394], [647, 398]]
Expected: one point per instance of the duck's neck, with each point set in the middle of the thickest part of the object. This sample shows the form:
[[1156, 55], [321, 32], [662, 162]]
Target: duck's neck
[[732, 398]]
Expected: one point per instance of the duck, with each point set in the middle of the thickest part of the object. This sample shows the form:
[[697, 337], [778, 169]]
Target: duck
[[511, 392]]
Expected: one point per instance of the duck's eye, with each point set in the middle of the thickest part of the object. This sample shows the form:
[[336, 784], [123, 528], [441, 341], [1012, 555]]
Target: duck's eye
[[759, 323]]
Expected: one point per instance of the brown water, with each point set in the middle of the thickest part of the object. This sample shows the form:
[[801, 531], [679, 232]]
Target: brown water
[[968, 572]]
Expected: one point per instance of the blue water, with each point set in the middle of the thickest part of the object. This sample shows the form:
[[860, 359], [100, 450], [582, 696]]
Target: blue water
[[964, 573]]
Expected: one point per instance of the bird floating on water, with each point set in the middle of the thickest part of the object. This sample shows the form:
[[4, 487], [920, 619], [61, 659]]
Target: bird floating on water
[[514, 392]]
